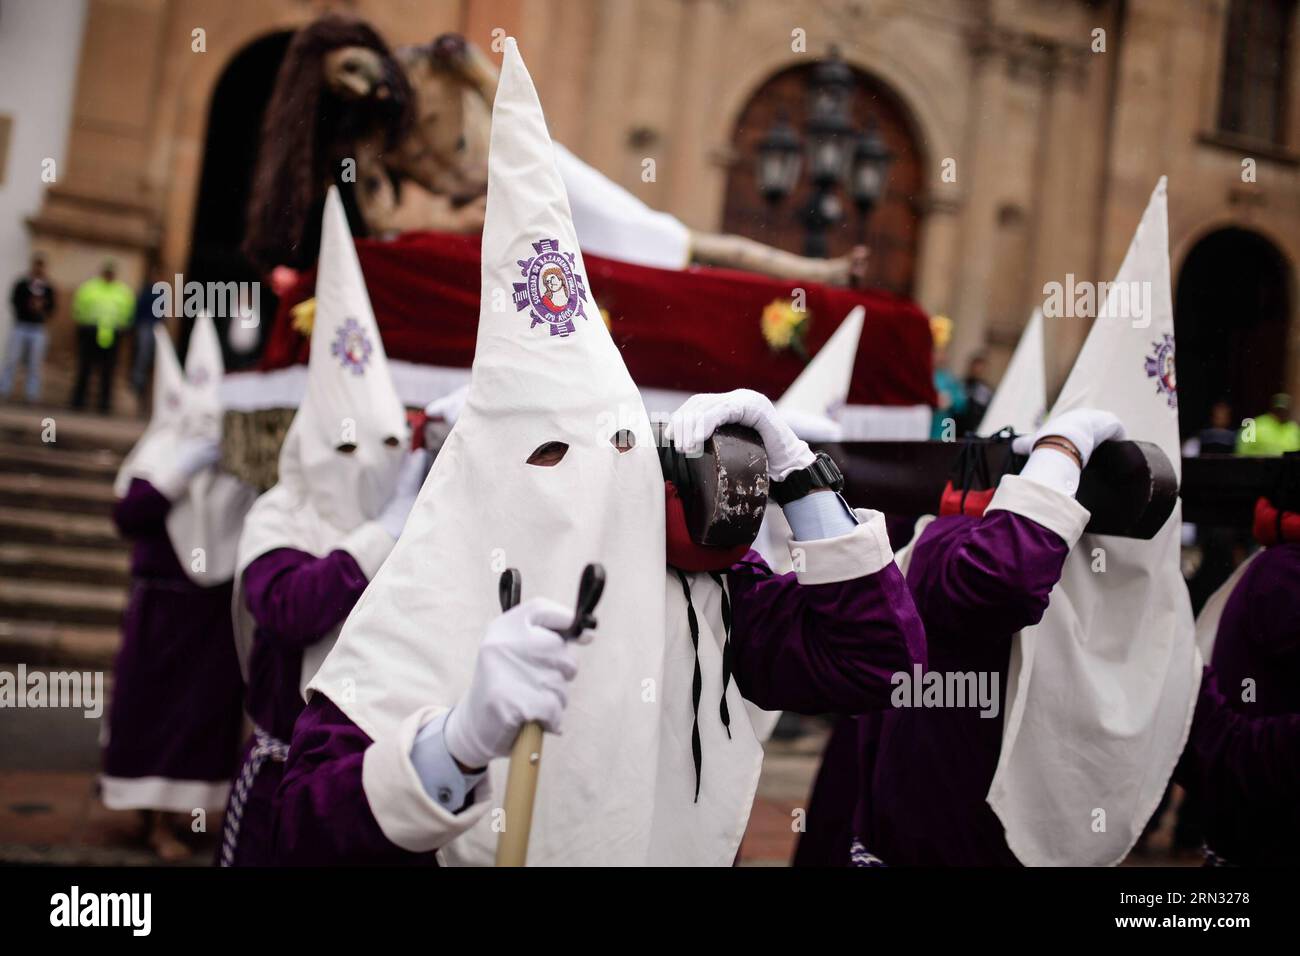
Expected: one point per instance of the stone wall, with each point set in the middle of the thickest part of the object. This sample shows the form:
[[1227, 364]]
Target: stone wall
[[1055, 145]]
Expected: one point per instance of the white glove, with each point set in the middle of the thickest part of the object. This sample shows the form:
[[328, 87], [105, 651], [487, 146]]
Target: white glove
[[449, 407], [409, 482], [701, 415], [1085, 428], [521, 675], [195, 454], [192, 455]]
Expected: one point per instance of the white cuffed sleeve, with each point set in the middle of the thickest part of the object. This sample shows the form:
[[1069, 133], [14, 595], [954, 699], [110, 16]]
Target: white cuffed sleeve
[[1052, 468], [1052, 509], [171, 483], [862, 551], [406, 814]]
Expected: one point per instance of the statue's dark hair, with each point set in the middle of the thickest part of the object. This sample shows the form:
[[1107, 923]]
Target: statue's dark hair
[[306, 134]]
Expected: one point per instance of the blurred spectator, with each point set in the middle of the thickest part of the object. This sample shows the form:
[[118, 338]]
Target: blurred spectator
[[951, 396], [102, 307], [145, 319], [978, 394], [1216, 438], [1222, 547], [1276, 432], [33, 304]]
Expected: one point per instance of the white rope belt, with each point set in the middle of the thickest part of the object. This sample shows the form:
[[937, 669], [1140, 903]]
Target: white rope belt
[[265, 747]]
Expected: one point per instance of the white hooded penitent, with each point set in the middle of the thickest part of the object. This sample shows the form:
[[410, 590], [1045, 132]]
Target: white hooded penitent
[[616, 787], [208, 509], [342, 454], [150, 455], [1021, 398], [1101, 691], [1207, 622]]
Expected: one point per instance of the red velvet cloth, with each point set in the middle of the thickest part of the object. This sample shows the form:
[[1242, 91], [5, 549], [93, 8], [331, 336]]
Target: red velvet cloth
[[695, 330]]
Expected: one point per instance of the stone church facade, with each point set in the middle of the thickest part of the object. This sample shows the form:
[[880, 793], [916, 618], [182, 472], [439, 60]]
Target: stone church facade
[[1027, 136]]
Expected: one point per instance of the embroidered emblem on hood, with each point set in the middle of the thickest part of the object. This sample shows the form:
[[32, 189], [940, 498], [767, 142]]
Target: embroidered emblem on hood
[[552, 289]]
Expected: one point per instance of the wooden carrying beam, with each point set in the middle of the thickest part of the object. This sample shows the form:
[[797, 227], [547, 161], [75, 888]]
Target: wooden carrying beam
[[1128, 486], [1223, 489]]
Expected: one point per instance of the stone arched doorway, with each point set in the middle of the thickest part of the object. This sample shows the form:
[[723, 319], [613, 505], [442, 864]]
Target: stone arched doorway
[[1232, 311], [893, 228], [239, 99]]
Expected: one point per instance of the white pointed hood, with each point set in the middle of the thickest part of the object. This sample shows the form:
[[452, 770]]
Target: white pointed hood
[[545, 370], [204, 521], [204, 365], [1021, 398], [1207, 622], [342, 453], [1103, 688], [822, 388], [158, 443]]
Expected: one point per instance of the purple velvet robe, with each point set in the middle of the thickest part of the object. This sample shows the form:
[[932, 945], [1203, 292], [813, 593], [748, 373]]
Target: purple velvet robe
[[175, 711], [1258, 640], [1245, 771], [1259, 633], [922, 773], [809, 648], [295, 599], [911, 784]]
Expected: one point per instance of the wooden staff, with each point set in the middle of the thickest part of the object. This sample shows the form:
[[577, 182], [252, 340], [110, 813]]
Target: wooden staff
[[526, 754]]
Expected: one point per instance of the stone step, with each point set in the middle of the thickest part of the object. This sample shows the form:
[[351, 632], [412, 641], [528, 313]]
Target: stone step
[[52, 527], [18, 854], [33, 425], [50, 644], [53, 563], [60, 462], [33, 600], [64, 495]]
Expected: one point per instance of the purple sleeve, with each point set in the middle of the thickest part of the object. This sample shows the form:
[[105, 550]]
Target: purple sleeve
[[322, 816], [142, 511], [1233, 760], [1261, 613], [298, 598], [988, 576], [821, 648]]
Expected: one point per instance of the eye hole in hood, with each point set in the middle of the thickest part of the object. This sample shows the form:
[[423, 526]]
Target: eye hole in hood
[[548, 454], [623, 440]]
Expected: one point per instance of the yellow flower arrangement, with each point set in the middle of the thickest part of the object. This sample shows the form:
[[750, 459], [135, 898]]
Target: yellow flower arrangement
[[304, 316], [941, 330], [785, 327]]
